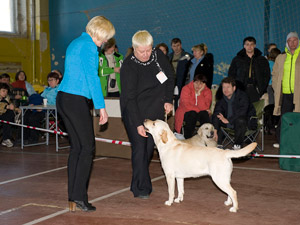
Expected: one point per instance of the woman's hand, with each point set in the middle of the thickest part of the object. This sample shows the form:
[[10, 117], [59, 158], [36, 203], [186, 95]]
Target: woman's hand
[[168, 107], [209, 112], [103, 116], [117, 69], [18, 97], [141, 131], [10, 106]]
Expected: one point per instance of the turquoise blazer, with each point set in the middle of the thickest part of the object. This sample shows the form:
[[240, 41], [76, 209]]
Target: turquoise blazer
[[81, 70]]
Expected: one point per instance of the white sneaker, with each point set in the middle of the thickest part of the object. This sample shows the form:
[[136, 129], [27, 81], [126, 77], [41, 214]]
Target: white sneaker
[[7, 143], [236, 147], [179, 136], [276, 145]]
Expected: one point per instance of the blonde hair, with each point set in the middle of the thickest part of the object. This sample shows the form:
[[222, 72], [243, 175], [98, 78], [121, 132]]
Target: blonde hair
[[201, 47], [142, 38], [100, 28]]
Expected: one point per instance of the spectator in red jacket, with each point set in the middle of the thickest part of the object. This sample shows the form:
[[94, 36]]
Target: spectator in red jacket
[[194, 105]]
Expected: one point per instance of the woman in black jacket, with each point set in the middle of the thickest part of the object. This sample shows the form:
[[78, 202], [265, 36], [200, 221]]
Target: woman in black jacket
[[202, 63], [147, 82]]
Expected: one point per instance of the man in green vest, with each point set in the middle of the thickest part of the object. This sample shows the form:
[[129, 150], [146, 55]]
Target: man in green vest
[[286, 80]]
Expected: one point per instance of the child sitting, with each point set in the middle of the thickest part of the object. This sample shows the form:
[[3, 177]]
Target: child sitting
[[34, 117], [7, 114], [5, 78], [22, 83], [51, 91]]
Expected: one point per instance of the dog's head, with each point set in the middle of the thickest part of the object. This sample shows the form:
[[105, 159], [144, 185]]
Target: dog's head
[[159, 130], [206, 131]]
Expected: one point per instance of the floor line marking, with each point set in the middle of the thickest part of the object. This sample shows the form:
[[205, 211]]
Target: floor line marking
[[28, 204], [92, 201], [41, 173]]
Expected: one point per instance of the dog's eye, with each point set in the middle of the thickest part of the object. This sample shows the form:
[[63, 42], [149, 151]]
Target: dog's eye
[[153, 123]]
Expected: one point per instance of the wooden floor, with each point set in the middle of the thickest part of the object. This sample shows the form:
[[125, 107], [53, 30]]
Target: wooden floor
[[33, 190]]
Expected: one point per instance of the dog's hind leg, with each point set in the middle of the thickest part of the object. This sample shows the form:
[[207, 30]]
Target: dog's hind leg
[[171, 188], [232, 196], [180, 188], [228, 202]]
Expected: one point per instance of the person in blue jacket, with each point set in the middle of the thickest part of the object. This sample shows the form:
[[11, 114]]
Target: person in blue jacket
[[50, 92], [81, 83], [35, 117]]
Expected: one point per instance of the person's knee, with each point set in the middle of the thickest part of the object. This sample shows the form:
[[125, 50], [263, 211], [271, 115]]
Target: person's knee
[[241, 121], [10, 115], [204, 117], [190, 114]]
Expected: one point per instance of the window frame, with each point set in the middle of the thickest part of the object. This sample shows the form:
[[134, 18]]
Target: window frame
[[19, 14]]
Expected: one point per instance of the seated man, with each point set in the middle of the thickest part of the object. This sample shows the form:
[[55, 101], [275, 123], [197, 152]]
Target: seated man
[[233, 110], [7, 114], [194, 105]]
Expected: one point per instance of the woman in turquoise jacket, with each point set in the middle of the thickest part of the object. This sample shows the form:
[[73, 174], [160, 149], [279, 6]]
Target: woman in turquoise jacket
[[81, 83], [110, 63]]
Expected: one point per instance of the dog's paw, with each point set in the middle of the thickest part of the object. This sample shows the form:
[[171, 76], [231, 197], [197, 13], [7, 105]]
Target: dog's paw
[[228, 202], [178, 200], [233, 209], [169, 203]]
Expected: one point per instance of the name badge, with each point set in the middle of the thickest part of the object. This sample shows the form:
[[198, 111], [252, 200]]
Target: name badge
[[161, 77]]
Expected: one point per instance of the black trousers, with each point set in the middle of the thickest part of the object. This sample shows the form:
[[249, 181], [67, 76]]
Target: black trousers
[[252, 93], [287, 105], [75, 113], [7, 128], [240, 128], [191, 118], [141, 155]]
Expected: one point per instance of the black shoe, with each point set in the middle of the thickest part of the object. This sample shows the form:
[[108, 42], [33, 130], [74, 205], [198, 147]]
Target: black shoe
[[143, 196], [85, 206]]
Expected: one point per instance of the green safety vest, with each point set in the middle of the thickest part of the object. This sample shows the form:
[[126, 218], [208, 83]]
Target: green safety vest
[[288, 79]]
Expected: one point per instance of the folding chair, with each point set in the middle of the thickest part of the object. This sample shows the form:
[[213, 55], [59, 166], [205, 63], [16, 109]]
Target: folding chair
[[250, 135]]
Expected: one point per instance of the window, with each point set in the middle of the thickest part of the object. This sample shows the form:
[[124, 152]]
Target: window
[[13, 20], [7, 16]]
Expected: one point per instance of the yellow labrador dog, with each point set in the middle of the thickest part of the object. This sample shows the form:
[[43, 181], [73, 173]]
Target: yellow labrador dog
[[181, 160], [204, 136]]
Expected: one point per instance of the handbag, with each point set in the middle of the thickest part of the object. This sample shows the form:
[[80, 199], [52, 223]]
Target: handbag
[[112, 83]]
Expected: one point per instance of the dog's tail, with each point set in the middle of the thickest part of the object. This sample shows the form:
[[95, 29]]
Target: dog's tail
[[242, 152]]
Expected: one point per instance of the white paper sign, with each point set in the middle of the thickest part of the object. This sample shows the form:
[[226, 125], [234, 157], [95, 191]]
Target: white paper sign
[[161, 77]]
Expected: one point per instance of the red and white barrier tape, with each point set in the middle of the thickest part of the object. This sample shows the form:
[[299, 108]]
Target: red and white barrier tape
[[35, 128], [129, 144], [276, 156], [113, 141], [65, 134]]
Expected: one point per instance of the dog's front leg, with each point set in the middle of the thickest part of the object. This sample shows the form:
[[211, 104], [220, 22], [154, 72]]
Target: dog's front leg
[[180, 189], [171, 188]]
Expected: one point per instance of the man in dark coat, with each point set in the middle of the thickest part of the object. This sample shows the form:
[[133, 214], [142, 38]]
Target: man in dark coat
[[250, 70], [233, 110], [180, 62]]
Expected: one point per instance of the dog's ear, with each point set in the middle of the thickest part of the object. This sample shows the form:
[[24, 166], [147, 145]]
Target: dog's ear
[[199, 132], [164, 136]]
